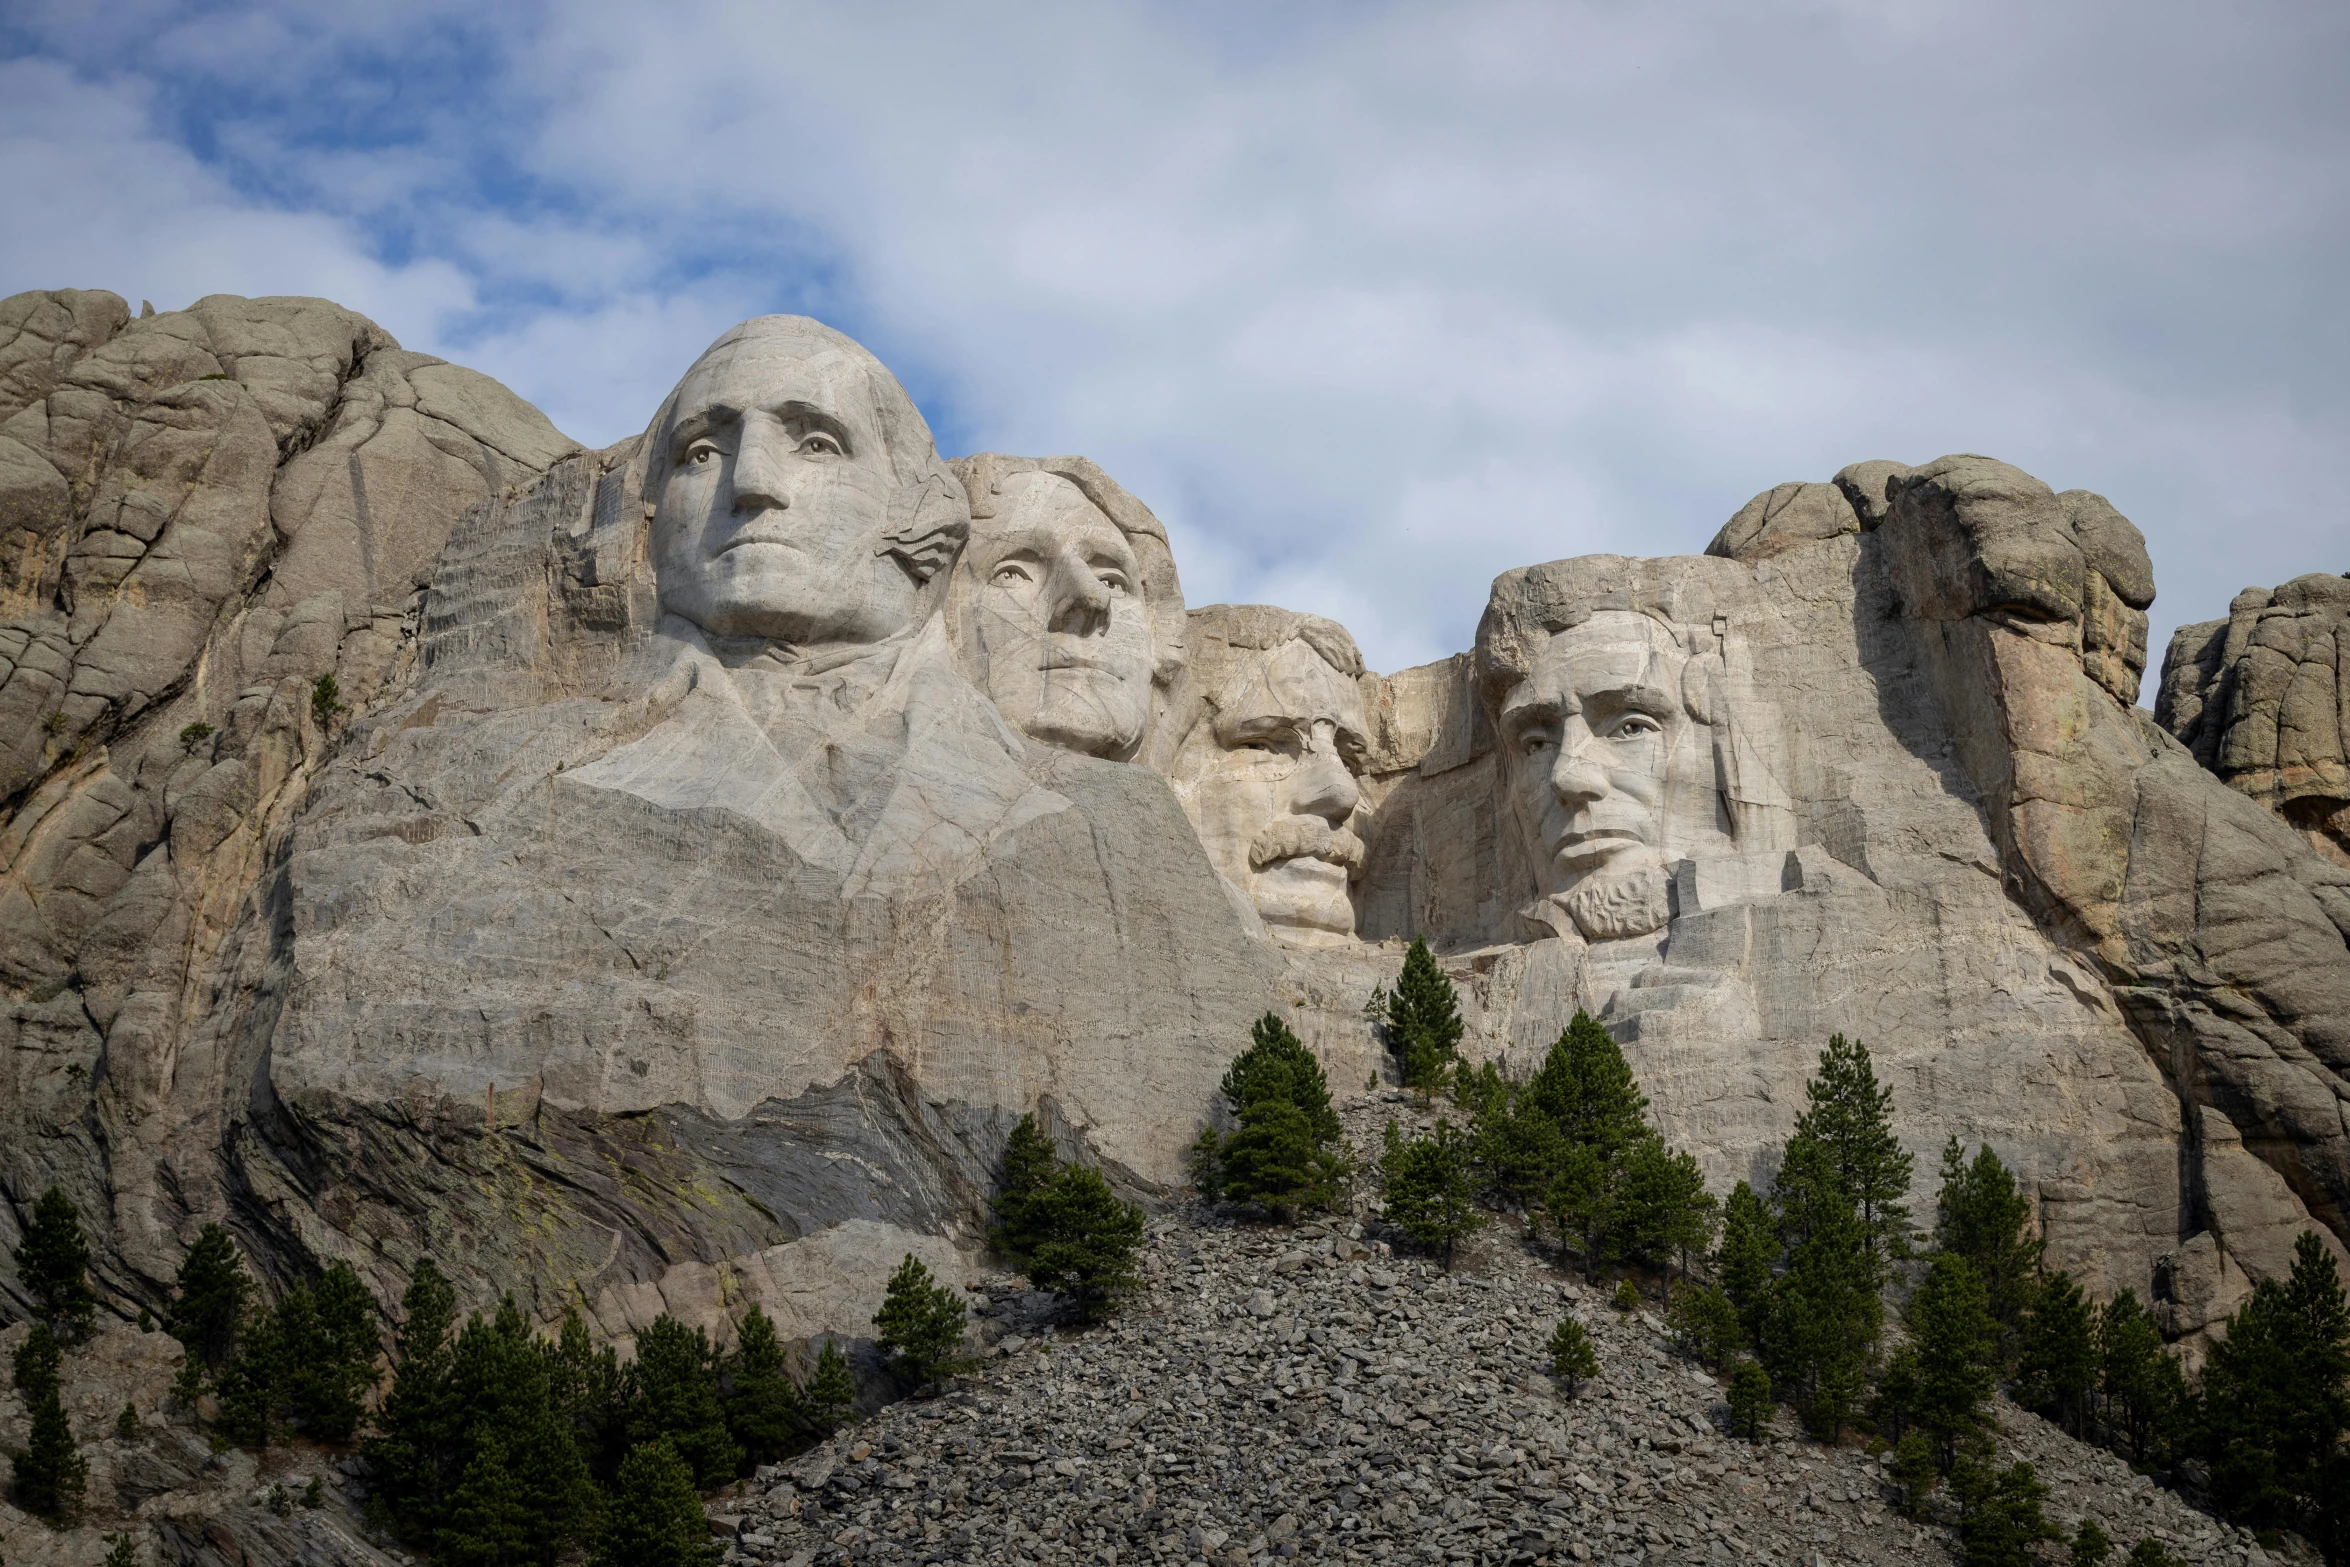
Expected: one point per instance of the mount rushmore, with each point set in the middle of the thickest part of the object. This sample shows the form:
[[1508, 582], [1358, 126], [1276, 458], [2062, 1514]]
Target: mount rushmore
[[706, 848]]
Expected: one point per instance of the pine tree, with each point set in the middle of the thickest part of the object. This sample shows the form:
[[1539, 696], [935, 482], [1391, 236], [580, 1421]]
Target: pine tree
[[51, 1472], [655, 1518], [1750, 1401], [1705, 1324], [253, 1384], [1277, 1065], [491, 1522], [1423, 1020], [1518, 1146], [1957, 1342], [1204, 1164], [585, 1387], [53, 1262], [831, 1393], [2142, 1384], [1750, 1250], [1090, 1237], [921, 1324], [1914, 1472], [1572, 1359], [121, 1551], [410, 1452], [36, 1363], [2275, 1406], [126, 1424], [1430, 1187], [1281, 1157], [1027, 1169], [1999, 1516], [333, 1348], [1584, 1201], [1587, 1090], [2056, 1367], [762, 1404], [210, 1300], [672, 1394], [499, 1387], [1982, 1217], [2090, 1545], [1666, 1212], [1850, 1115], [1819, 1333]]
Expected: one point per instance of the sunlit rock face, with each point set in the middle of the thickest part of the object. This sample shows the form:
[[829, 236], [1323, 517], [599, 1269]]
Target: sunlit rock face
[[711, 845], [1267, 766]]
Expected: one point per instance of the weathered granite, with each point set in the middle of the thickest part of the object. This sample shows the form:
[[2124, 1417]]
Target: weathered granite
[[2262, 698]]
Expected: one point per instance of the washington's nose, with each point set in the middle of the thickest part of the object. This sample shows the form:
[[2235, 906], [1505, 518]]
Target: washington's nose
[[1324, 787], [761, 477], [1080, 601]]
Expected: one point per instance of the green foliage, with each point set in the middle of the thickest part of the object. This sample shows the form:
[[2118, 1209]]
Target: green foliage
[[1957, 1345], [490, 1519], [1204, 1164], [52, 1263], [121, 1551], [50, 1473], [671, 1393], [54, 723], [921, 1324], [1819, 1331], [655, 1519], [1430, 1187], [1664, 1211], [326, 700], [1705, 1324], [1283, 1155], [2142, 1384], [1277, 1065], [1026, 1171], [282, 1504], [126, 1424], [1572, 1359], [209, 1302], [1589, 1093], [831, 1395], [1979, 1215], [1914, 1473], [1518, 1144], [2152, 1553], [416, 1422], [586, 1388], [306, 1364], [1750, 1401], [1850, 1115], [196, 733], [2275, 1407], [1999, 1517], [500, 1389], [1627, 1297], [763, 1404], [36, 1362], [2090, 1545], [1423, 1020], [2056, 1361], [1090, 1238], [1750, 1251]]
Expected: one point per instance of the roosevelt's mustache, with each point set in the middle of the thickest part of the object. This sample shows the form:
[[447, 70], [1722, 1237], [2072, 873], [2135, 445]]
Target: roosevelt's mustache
[[1296, 837]]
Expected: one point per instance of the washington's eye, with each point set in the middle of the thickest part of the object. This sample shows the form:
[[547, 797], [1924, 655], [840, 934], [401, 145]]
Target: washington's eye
[[820, 442], [701, 453]]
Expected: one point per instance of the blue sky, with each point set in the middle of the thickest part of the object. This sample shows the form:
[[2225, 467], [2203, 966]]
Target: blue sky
[[1370, 302]]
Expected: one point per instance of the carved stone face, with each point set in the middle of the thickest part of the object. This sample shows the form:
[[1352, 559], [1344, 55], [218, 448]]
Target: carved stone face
[[1056, 604], [1270, 784], [774, 501], [1609, 775]]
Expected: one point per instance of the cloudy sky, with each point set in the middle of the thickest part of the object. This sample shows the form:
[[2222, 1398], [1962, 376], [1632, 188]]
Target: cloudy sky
[[1368, 301]]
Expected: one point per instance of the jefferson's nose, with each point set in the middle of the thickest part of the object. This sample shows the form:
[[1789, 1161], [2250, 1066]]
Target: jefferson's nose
[[1079, 602], [1323, 786], [762, 479]]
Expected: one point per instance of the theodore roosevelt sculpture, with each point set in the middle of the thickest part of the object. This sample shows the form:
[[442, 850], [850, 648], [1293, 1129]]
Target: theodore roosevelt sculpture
[[1267, 770], [1627, 746]]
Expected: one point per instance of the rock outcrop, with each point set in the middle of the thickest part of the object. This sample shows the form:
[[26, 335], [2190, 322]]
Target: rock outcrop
[[709, 846], [2263, 699]]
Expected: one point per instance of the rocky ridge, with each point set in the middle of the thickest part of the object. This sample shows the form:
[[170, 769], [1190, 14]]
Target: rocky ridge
[[1303, 1393]]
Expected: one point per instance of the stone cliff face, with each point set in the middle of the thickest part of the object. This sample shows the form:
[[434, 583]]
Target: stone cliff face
[[646, 930]]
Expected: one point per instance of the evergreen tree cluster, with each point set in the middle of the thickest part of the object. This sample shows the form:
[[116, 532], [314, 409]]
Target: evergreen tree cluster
[[1062, 1226], [1285, 1152], [48, 1476]]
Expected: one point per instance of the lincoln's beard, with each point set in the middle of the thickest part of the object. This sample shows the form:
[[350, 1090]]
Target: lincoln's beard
[[1611, 904], [1290, 837]]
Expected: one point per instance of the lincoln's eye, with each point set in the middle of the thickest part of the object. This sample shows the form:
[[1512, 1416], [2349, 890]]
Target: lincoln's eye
[[701, 453], [1638, 724]]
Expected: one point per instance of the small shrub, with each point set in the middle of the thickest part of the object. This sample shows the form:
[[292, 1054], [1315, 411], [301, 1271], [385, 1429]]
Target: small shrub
[[280, 1503], [1430, 1187], [1627, 1297], [831, 1394], [326, 699], [1750, 1401], [2152, 1553], [314, 1494], [921, 1322], [2090, 1545], [126, 1424], [54, 724], [122, 1550], [1913, 1472], [196, 733], [1572, 1359], [1706, 1324]]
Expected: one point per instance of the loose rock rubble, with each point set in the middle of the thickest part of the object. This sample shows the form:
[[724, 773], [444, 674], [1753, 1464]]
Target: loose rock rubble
[[1300, 1392]]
